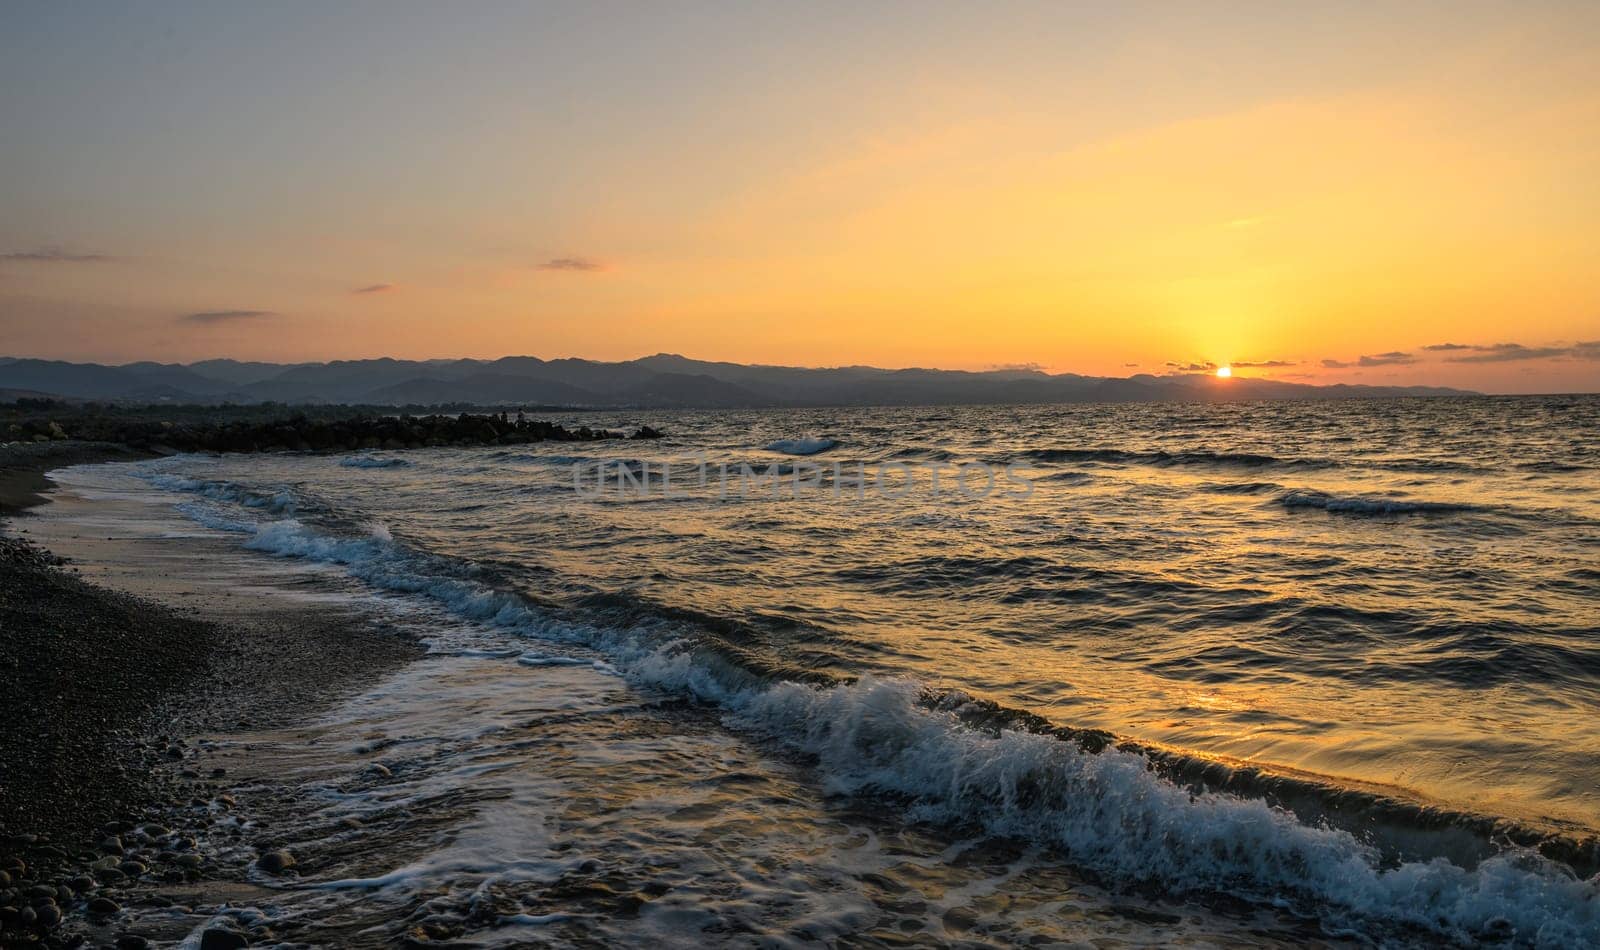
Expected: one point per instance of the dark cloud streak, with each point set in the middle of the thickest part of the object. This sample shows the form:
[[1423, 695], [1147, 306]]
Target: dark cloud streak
[[52, 255], [1514, 352], [582, 264], [1392, 358], [210, 317]]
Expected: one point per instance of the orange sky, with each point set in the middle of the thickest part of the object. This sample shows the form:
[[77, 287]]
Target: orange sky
[[1088, 190]]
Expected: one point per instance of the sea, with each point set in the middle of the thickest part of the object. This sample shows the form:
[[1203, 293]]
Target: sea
[[1248, 674]]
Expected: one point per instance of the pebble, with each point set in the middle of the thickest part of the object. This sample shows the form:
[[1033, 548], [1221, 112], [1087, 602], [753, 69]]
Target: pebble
[[132, 942], [216, 938], [275, 862], [49, 915], [103, 905]]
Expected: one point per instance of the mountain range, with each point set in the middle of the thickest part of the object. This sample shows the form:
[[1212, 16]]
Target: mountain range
[[661, 381]]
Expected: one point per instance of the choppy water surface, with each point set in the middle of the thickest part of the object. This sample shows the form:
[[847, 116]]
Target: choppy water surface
[[1348, 653]]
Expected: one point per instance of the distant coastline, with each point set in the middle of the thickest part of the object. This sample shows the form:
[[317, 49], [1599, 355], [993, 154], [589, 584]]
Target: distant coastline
[[663, 381]]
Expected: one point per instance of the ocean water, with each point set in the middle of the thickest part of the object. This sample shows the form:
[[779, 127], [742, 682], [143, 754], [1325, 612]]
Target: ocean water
[[1246, 673]]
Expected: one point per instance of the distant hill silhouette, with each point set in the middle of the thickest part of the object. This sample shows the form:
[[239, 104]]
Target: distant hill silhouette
[[661, 381]]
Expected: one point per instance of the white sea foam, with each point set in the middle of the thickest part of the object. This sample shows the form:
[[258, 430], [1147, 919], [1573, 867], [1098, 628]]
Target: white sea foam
[[1108, 811], [373, 461], [801, 446]]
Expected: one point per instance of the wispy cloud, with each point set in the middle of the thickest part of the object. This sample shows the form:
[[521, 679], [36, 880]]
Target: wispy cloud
[[1336, 364], [572, 264], [1445, 347], [1205, 367], [1016, 368], [374, 289], [1513, 352], [1392, 358], [52, 255], [207, 317], [1263, 364]]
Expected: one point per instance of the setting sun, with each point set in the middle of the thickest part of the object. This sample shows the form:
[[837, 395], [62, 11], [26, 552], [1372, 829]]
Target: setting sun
[[1223, 372]]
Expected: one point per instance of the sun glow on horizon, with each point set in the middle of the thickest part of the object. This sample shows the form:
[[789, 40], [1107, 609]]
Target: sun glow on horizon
[[1224, 372]]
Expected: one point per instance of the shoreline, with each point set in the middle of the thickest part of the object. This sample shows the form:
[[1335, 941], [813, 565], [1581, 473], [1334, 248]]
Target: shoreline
[[106, 691]]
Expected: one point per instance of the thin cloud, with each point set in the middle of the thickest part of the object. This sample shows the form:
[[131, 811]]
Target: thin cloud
[[374, 289], [1336, 364], [208, 317], [1512, 352], [1446, 347], [1017, 368], [1130, 365], [1205, 367], [581, 264], [1392, 358], [1265, 364], [52, 255]]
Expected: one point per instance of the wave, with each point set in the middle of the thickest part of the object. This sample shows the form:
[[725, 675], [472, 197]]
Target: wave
[[373, 461], [802, 446], [1164, 458], [944, 757], [1238, 488], [284, 501], [1365, 505]]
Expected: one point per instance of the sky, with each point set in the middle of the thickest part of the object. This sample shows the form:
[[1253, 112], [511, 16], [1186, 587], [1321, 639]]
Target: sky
[[1388, 194]]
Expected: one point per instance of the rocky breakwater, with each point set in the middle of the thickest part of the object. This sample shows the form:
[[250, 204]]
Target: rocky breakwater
[[303, 433]]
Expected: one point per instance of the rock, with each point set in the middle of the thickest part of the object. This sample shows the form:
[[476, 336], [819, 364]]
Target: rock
[[378, 768], [49, 915], [111, 845], [215, 938], [275, 862], [103, 906], [132, 868], [109, 875], [5, 878], [132, 942]]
